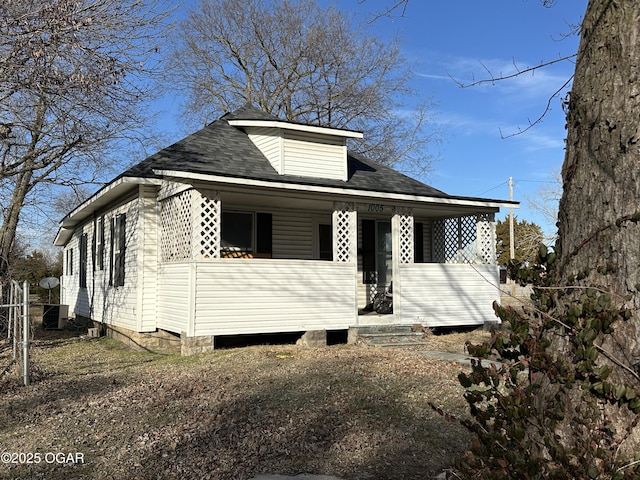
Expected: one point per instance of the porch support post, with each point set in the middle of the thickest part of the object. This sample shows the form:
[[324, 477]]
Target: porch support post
[[345, 244], [206, 225], [486, 238], [345, 233], [402, 251], [147, 259]]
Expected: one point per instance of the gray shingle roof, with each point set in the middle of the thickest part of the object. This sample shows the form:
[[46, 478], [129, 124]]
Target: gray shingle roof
[[221, 149]]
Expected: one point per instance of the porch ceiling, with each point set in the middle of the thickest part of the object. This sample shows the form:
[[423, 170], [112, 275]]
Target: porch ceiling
[[299, 200]]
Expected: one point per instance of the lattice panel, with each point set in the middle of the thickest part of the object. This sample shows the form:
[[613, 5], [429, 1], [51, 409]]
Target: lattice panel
[[208, 238], [486, 239], [372, 287], [344, 233], [175, 228], [451, 243], [455, 240], [405, 231], [438, 243], [467, 234]]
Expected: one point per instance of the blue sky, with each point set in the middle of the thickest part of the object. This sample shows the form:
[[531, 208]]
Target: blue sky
[[459, 38]]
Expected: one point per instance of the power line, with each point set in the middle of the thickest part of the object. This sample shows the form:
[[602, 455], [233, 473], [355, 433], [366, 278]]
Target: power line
[[493, 188], [533, 181]]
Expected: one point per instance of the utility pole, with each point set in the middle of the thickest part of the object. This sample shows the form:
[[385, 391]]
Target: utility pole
[[512, 247]]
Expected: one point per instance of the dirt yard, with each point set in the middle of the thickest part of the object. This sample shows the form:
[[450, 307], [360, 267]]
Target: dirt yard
[[96, 410]]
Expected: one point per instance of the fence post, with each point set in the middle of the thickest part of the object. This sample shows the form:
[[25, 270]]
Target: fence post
[[14, 318], [26, 332]]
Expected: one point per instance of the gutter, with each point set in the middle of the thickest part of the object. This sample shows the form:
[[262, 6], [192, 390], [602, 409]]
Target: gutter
[[97, 201], [402, 197]]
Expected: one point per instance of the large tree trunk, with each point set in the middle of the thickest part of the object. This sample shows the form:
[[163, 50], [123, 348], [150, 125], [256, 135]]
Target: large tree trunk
[[599, 230]]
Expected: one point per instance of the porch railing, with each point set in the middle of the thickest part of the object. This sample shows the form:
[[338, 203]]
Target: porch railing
[[236, 296]]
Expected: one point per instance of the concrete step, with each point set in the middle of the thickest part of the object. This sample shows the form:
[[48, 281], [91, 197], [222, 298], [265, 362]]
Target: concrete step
[[394, 329], [388, 335]]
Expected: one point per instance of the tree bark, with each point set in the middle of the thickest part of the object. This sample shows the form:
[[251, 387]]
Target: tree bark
[[599, 230]]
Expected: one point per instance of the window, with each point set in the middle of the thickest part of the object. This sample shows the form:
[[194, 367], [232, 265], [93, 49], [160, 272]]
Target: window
[[245, 234], [83, 261], [418, 242], [117, 263], [384, 253], [98, 263], [377, 262], [237, 232], [325, 241], [69, 262]]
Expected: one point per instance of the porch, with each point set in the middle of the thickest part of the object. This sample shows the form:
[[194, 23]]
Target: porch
[[442, 267]]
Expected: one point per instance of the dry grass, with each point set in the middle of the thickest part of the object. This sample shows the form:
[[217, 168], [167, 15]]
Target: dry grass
[[453, 341], [354, 412]]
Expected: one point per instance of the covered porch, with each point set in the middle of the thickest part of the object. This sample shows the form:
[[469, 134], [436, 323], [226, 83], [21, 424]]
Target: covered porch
[[319, 265]]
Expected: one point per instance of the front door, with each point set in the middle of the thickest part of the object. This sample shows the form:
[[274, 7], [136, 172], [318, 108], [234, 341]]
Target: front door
[[376, 253], [384, 265]]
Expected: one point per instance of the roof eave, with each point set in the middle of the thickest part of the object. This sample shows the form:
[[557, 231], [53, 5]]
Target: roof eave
[[296, 126], [103, 197], [480, 203]]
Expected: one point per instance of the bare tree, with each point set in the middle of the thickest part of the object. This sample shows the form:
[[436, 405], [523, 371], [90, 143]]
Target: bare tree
[[303, 63], [74, 78]]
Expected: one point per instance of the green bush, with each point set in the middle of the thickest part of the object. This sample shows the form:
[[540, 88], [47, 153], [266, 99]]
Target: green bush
[[552, 407]]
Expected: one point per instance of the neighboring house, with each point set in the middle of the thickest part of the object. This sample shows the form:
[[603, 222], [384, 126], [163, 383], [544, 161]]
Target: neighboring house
[[257, 225]]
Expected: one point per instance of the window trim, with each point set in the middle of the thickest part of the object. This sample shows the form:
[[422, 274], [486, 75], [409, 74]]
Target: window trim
[[98, 245], [69, 269], [84, 240], [118, 250], [261, 236], [318, 223]]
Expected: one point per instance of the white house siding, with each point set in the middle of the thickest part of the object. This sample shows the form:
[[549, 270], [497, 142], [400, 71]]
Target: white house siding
[[311, 155], [99, 291], [441, 295], [147, 259], [270, 144], [239, 296], [292, 234], [174, 297], [119, 304]]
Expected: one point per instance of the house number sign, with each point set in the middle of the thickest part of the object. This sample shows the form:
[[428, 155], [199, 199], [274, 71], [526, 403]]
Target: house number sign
[[375, 207]]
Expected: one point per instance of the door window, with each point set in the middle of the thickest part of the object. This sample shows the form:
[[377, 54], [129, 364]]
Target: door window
[[383, 253]]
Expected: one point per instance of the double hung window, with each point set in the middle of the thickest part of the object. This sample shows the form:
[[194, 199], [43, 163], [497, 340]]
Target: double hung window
[[246, 234], [117, 260]]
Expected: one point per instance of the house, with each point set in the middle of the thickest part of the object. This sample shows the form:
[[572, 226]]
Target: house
[[256, 225]]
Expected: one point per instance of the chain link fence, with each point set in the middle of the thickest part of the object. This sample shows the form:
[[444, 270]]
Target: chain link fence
[[15, 329]]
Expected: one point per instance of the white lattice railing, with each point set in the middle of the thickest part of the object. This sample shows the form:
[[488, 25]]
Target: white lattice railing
[[175, 227], [469, 239], [207, 232], [344, 232], [486, 239], [405, 232], [189, 226]]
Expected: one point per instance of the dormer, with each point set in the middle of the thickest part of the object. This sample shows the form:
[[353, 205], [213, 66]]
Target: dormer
[[301, 150]]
